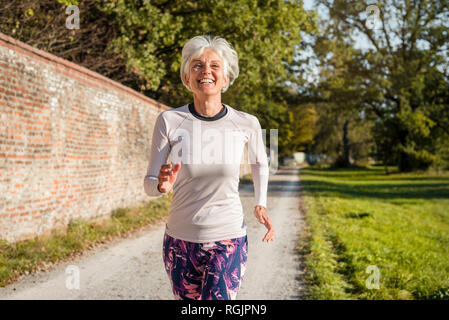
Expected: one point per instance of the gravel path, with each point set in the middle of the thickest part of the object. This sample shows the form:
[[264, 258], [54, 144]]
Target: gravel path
[[132, 268]]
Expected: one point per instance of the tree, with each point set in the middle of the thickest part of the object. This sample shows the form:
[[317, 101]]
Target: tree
[[404, 73], [304, 126], [344, 137], [338, 97]]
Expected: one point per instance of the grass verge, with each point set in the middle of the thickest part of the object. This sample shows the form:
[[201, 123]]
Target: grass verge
[[363, 225], [246, 179], [38, 254]]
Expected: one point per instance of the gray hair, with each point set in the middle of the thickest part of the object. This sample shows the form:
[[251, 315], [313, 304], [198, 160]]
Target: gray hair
[[195, 47]]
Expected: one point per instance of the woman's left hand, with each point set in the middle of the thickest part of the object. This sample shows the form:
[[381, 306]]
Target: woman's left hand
[[261, 215]]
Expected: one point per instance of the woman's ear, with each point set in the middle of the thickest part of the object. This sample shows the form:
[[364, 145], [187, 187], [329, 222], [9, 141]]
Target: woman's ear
[[186, 80], [226, 82]]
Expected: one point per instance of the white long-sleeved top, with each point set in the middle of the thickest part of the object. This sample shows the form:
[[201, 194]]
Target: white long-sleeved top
[[206, 205]]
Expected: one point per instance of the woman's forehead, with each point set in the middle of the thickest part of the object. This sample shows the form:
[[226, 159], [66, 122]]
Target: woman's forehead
[[208, 55]]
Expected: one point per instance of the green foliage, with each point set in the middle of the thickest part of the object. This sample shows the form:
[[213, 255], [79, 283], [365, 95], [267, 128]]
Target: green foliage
[[246, 179], [68, 2], [146, 38], [329, 133], [304, 126], [341, 129]]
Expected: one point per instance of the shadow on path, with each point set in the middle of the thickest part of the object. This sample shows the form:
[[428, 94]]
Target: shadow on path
[[279, 185]]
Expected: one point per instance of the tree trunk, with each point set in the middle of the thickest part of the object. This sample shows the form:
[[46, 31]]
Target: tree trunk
[[346, 145], [405, 164]]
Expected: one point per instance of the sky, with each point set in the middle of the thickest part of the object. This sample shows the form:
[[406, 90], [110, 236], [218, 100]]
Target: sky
[[361, 42]]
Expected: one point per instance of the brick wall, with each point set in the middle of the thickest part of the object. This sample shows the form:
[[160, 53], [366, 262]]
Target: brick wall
[[73, 144]]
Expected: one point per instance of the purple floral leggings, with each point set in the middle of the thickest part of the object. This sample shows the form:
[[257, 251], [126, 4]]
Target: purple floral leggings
[[205, 271]]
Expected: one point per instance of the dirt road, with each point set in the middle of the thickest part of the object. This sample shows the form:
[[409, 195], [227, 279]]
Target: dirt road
[[132, 268]]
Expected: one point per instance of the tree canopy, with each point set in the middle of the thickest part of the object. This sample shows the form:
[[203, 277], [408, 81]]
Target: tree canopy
[[399, 79]]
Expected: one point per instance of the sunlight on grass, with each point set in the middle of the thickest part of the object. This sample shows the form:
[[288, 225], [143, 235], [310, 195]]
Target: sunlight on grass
[[359, 218]]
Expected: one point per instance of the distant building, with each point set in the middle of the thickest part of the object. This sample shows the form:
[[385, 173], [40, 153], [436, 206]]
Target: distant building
[[314, 158], [299, 158]]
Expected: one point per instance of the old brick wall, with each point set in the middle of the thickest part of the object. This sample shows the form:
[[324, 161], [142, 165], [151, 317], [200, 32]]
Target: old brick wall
[[73, 144]]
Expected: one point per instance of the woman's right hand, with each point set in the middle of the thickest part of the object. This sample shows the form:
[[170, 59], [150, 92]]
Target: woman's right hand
[[167, 177]]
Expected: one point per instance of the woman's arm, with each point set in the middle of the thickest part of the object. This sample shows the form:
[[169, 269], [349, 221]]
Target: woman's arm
[[259, 164], [160, 148], [260, 172]]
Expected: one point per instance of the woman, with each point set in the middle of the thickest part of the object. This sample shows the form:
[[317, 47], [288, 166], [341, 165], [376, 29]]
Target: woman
[[205, 241]]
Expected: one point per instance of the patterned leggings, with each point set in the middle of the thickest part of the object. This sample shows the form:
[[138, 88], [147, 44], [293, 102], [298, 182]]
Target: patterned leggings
[[205, 271]]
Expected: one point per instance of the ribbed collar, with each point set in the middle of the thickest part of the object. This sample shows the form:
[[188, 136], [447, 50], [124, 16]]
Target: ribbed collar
[[220, 115]]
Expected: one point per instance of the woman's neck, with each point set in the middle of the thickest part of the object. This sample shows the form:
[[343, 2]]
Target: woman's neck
[[208, 106]]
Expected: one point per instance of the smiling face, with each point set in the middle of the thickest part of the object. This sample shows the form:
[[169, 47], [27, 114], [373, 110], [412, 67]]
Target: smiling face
[[206, 74]]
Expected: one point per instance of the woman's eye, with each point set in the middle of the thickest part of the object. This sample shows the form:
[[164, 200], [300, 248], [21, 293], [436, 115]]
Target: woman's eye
[[215, 66]]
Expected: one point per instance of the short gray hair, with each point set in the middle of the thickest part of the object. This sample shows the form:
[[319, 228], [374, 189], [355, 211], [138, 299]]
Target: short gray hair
[[195, 47]]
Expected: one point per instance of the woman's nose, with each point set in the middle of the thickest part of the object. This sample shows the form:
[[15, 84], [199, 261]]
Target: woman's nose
[[207, 69]]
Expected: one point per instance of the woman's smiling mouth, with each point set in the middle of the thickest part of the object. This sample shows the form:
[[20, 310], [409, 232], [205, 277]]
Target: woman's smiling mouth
[[206, 81]]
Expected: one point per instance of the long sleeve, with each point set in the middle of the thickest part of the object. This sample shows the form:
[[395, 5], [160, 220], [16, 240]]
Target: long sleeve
[[160, 148], [259, 164]]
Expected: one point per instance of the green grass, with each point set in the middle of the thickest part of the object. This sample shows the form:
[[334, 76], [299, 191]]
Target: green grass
[[29, 256], [358, 218], [246, 179]]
